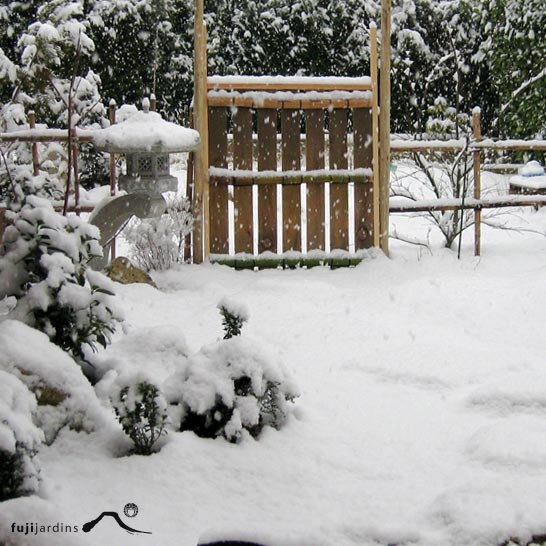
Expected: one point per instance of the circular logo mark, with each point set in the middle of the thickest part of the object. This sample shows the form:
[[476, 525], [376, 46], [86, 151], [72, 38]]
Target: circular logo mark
[[130, 509]]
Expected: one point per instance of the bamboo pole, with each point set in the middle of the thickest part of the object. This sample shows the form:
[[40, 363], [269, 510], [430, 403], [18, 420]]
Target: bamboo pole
[[375, 135], [35, 158], [201, 234], [385, 123], [112, 116], [76, 171], [477, 127]]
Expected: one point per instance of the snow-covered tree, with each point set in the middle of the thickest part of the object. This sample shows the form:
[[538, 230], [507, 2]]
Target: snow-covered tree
[[517, 47], [43, 261], [144, 47]]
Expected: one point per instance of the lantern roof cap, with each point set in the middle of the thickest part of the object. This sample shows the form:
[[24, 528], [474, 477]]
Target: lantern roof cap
[[145, 132]]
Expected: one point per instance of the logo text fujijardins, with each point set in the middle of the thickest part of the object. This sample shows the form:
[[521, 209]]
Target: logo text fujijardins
[[35, 528]]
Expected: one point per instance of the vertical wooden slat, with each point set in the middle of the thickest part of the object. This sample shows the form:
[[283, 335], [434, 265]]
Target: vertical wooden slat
[[314, 153], [364, 195], [218, 192], [339, 200], [242, 195], [291, 202], [267, 194]]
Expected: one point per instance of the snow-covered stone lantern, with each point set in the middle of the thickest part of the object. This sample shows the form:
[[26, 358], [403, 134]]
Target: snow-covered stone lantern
[[146, 139]]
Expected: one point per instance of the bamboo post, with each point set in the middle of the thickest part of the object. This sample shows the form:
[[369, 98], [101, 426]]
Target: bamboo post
[[375, 135], [476, 122], [201, 237], [385, 123], [35, 158], [75, 168], [112, 117]]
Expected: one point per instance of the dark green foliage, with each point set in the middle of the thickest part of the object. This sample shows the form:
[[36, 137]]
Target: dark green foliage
[[13, 473], [231, 322], [142, 415]]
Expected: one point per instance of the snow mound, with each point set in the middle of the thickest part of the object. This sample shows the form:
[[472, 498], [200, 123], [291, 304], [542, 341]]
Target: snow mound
[[65, 396], [512, 392], [488, 510], [159, 350], [532, 168], [519, 440]]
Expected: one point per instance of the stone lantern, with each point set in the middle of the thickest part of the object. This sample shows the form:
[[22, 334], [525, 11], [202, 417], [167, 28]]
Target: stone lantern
[[146, 139]]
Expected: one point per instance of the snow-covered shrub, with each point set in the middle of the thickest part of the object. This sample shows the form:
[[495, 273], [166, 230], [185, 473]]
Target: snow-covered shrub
[[234, 316], [142, 412], [43, 264], [230, 387], [64, 396], [19, 439], [158, 243]]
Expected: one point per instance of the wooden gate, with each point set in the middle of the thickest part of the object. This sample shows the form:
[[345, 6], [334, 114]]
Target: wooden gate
[[292, 165]]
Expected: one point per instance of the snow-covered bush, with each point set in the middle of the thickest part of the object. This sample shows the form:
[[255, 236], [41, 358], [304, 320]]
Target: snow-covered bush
[[43, 264], [64, 395], [142, 412], [19, 439], [234, 316], [48, 72], [230, 387], [158, 243]]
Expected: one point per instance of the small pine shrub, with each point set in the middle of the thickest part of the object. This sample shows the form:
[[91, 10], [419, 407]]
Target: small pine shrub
[[231, 388], [142, 413], [233, 317]]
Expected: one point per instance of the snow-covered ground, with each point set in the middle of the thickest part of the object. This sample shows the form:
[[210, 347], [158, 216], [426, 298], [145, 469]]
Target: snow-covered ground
[[421, 420]]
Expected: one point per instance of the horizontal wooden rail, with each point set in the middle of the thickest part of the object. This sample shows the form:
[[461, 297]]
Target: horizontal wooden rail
[[457, 145], [489, 144], [248, 178], [272, 261], [468, 203], [44, 135], [42, 138], [291, 104]]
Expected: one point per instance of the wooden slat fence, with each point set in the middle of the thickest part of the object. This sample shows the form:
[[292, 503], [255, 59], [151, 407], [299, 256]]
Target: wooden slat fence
[[279, 147]]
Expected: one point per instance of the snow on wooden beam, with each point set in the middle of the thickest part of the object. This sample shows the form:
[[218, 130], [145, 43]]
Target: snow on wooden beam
[[281, 83], [400, 204]]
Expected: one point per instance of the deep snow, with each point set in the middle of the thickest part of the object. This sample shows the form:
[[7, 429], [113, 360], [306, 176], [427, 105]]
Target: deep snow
[[421, 420]]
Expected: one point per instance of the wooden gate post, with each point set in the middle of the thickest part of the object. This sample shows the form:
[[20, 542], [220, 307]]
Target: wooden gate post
[[385, 123], [477, 128], [375, 137], [201, 210]]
